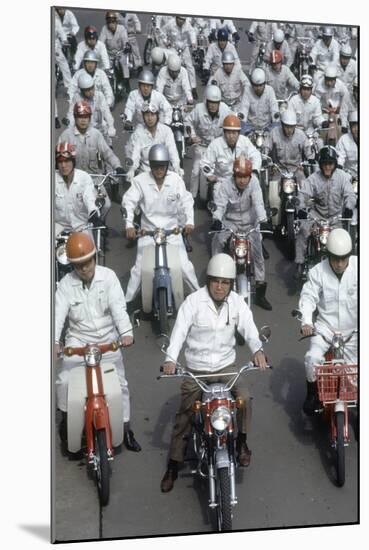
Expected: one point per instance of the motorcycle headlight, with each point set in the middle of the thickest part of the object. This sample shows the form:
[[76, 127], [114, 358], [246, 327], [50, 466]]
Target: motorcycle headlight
[[288, 186], [259, 140], [323, 237], [220, 418], [176, 116], [241, 251], [159, 236], [92, 356], [61, 254]]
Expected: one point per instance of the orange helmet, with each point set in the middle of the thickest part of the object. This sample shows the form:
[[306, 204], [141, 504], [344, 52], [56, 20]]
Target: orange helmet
[[65, 151], [80, 248], [232, 122], [275, 56], [82, 108], [242, 167]]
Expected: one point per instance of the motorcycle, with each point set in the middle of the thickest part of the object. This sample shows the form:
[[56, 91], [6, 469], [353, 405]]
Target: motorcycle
[[239, 248], [260, 60], [62, 265], [213, 437], [337, 391], [161, 280], [179, 132], [199, 53], [312, 165], [332, 133], [95, 411], [301, 65], [152, 39], [283, 103], [109, 186], [119, 74]]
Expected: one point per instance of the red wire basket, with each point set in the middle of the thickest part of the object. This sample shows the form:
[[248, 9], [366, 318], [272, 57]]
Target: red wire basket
[[336, 381]]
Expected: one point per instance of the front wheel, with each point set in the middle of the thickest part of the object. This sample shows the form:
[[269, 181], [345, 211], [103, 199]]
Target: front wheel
[[340, 448], [224, 509], [147, 51], [290, 234], [163, 311], [103, 470]]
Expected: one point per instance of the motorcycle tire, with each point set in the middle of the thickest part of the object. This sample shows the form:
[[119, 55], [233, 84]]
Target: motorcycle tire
[[180, 151], [103, 469], [224, 508], [290, 234], [163, 311], [147, 51], [340, 448]]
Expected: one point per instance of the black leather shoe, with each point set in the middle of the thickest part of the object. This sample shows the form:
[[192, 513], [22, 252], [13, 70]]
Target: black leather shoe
[[168, 480], [130, 442], [244, 454]]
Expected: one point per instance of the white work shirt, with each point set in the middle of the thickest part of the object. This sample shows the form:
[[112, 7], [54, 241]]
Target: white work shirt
[[335, 299], [262, 108], [348, 74], [135, 101], [101, 52], [347, 153], [160, 208], [114, 41], [178, 37], [203, 125], [74, 204], [323, 56], [221, 157], [308, 113], [102, 118], [338, 94], [69, 22], [97, 314], [142, 140], [233, 87], [213, 57], [178, 91], [210, 333], [283, 82], [101, 83]]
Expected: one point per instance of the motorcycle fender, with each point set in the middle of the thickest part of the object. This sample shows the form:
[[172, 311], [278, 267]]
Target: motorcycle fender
[[178, 136], [339, 406], [222, 459], [275, 200], [147, 277], [242, 285], [176, 274], [76, 405]]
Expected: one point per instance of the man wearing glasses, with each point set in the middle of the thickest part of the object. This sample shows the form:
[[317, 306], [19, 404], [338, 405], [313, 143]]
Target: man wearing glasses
[[207, 321]]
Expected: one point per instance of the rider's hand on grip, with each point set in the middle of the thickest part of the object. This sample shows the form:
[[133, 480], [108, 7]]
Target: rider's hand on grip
[[260, 360], [131, 233], [307, 330], [302, 215], [169, 367], [127, 341]]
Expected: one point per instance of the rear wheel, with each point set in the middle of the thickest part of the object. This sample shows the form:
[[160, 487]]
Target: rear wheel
[[224, 508], [147, 51], [163, 311], [290, 234], [103, 470], [340, 448]]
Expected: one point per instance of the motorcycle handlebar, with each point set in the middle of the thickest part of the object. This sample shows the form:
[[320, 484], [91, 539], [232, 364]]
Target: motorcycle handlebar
[[180, 372], [104, 348]]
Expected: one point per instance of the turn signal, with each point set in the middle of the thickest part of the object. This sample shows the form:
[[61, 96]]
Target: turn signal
[[196, 407], [240, 403]]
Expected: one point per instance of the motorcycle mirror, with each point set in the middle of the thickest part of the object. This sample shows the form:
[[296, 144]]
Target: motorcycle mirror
[[264, 333], [128, 163], [136, 318], [296, 313], [163, 342], [241, 116], [211, 206], [214, 82]]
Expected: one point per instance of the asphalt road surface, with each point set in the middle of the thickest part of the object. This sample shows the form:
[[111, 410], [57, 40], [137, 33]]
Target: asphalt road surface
[[290, 481]]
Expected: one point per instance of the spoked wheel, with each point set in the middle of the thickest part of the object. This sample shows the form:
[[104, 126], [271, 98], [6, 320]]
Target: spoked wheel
[[224, 508], [147, 51], [290, 234], [163, 311], [103, 469], [340, 448]]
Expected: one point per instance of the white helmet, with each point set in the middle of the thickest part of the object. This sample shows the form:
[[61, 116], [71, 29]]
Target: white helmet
[[306, 81], [278, 36], [157, 55], [212, 93], [85, 81], [288, 117], [339, 242], [221, 265], [353, 117], [327, 31], [174, 62], [346, 50], [330, 71], [228, 57], [258, 76]]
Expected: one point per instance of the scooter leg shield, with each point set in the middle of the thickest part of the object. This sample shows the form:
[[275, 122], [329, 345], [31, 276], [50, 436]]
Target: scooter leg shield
[[113, 396], [275, 200], [176, 274], [147, 276], [76, 407]]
